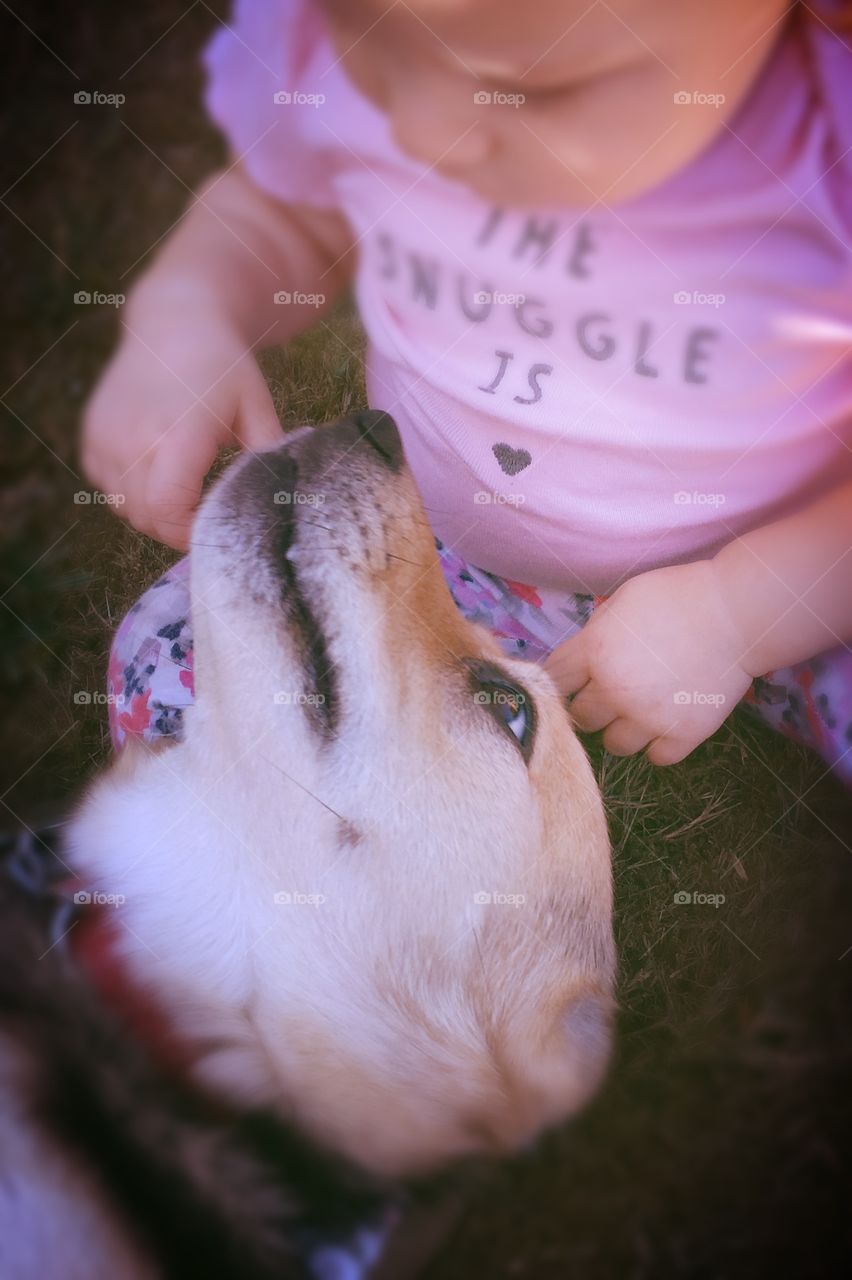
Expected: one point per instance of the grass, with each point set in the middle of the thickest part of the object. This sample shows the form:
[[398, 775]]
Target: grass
[[721, 1144]]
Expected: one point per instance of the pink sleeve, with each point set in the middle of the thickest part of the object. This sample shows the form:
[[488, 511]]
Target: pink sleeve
[[831, 52], [266, 84]]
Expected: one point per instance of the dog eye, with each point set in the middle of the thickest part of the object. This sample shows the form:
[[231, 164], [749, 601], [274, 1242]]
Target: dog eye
[[509, 704], [512, 711]]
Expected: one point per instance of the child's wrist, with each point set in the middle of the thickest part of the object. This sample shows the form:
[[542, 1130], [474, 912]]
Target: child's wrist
[[753, 607], [724, 575]]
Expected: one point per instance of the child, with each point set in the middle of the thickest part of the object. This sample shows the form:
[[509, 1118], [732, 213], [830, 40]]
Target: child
[[602, 255]]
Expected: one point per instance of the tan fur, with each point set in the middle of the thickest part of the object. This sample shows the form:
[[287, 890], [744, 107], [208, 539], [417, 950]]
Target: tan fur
[[401, 1021]]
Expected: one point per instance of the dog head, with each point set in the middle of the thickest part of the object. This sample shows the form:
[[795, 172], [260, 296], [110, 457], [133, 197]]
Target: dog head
[[391, 871]]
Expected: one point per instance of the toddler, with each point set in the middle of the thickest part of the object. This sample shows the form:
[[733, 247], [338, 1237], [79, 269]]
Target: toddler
[[602, 256]]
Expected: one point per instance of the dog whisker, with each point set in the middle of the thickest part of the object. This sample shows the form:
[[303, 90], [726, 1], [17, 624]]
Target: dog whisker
[[306, 790], [417, 565]]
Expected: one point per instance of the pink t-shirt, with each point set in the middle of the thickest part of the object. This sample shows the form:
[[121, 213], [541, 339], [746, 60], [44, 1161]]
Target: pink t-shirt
[[585, 395]]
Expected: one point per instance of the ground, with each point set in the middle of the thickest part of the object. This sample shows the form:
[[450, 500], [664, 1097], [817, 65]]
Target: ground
[[720, 1146]]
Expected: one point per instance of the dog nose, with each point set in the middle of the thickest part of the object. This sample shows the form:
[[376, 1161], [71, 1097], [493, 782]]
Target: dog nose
[[379, 429]]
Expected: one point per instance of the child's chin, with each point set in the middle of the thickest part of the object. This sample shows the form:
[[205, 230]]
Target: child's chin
[[529, 192]]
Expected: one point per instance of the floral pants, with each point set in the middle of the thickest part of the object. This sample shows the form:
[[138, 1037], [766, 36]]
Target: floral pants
[[151, 680]]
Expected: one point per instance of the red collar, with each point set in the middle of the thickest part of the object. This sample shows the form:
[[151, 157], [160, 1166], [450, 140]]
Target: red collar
[[94, 945]]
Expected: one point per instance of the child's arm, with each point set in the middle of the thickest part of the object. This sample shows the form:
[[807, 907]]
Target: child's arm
[[789, 584], [666, 659], [183, 380]]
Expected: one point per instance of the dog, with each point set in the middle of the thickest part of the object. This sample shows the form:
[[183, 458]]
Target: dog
[[370, 888]]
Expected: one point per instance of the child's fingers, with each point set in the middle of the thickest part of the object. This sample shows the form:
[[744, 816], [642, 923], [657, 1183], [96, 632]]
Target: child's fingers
[[257, 424], [670, 749], [104, 476], [591, 709], [623, 737], [568, 664], [132, 485], [125, 491], [174, 478]]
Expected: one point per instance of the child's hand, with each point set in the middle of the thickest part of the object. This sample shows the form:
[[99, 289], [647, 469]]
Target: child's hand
[[658, 662], [180, 386]]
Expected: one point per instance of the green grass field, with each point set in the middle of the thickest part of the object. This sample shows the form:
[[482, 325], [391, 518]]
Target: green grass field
[[721, 1144]]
